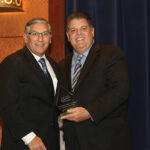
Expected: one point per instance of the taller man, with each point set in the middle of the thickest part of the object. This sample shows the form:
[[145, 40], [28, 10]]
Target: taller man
[[98, 76], [28, 83]]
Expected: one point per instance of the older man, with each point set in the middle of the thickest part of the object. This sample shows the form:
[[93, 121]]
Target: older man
[[28, 83]]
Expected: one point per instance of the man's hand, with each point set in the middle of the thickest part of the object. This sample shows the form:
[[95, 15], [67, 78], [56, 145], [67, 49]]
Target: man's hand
[[77, 114], [37, 144]]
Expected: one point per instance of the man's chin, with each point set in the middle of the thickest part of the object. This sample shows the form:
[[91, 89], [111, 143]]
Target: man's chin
[[80, 49], [40, 48]]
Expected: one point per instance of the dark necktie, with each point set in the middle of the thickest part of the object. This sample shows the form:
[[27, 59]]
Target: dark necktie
[[77, 70], [47, 75]]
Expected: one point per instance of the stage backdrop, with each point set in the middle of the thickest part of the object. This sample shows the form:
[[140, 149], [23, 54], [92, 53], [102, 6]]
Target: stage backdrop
[[126, 23]]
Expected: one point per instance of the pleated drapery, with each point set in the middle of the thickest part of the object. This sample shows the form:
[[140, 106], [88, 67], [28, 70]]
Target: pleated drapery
[[126, 23]]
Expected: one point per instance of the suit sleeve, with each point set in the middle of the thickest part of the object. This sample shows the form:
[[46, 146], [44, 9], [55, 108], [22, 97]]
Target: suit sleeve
[[116, 88], [10, 99]]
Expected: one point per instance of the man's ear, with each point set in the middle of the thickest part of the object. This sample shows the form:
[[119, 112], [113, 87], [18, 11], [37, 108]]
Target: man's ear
[[93, 31], [25, 38], [67, 36]]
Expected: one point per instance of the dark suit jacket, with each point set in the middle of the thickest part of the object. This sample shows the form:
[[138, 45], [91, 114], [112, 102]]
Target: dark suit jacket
[[25, 102], [102, 89]]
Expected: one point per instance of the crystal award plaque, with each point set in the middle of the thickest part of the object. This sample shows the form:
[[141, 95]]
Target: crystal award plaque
[[64, 101]]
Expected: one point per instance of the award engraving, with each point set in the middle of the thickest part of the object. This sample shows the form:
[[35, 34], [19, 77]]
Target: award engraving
[[65, 100]]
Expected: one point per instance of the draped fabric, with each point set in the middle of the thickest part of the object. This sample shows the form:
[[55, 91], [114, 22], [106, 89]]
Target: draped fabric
[[126, 23]]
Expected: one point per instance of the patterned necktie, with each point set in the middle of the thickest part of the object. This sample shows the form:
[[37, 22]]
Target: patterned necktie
[[47, 75], [77, 70]]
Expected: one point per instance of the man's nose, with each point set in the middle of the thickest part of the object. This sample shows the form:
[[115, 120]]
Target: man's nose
[[40, 37], [78, 31]]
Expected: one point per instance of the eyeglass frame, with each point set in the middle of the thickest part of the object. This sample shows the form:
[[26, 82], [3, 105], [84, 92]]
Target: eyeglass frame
[[44, 34]]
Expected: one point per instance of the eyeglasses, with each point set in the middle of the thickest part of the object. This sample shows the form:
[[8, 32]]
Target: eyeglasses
[[37, 34]]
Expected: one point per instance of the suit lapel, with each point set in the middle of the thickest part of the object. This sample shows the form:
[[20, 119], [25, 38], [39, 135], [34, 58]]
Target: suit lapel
[[36, 69], [68, 70], [87, 65], [55, 69], [53, 65]]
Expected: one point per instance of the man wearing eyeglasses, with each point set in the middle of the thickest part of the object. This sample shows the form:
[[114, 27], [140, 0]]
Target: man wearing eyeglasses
[[29, 81]]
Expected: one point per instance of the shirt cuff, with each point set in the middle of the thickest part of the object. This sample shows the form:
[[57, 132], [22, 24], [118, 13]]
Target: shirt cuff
[[28, 138]]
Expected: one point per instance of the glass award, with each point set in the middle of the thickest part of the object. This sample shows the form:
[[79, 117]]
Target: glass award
[[64, 101]]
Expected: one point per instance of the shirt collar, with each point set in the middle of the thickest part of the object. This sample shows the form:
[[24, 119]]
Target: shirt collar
[[85, 54], [38, 57]]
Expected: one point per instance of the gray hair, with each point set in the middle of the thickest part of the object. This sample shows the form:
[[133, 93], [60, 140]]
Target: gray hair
[[35, 21]]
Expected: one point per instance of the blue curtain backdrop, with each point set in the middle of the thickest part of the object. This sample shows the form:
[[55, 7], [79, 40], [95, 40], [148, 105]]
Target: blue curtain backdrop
[[126, 23]]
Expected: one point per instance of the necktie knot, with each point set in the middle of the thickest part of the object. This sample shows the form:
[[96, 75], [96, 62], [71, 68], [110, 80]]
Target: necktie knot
[[79, 57], [42, 61], [78, 62]]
